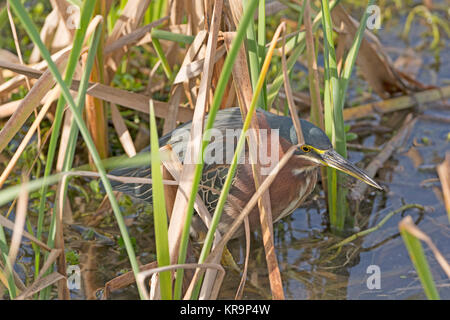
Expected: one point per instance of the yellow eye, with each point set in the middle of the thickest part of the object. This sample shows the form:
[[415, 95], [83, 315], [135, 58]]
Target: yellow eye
[[306, 149]]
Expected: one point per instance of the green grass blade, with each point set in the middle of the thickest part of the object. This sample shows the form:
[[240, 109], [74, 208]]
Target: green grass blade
[[34, 35], [351, 56], [11, 193], [171, 36], [334, 123], [262, 46], [159, 211], [162, 56], [252, 52], [278, 81], [86, 14], [420, 262], [4, 249]]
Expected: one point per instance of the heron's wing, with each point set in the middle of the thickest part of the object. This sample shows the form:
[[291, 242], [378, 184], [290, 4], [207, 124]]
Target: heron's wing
[[221, 153]]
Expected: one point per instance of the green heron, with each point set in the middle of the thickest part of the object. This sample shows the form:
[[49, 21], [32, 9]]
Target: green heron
[[290, 188]]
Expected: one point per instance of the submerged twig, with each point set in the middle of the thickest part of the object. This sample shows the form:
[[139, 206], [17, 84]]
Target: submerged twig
[[378, 226]]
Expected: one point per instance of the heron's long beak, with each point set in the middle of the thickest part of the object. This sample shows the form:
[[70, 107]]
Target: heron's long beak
[[333, 159]]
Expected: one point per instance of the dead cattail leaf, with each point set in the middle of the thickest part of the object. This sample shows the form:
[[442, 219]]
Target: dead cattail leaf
[[444, 175], [42, 284], [176, 11], [47, 34], [10, 225], [129, 20], [396, 104], [64, 12], [135, 101], [19, 223], [29, 103], [136, 37], [170, 122], [25, 71], [5, 55], [122, 131], [194, 68], [9, 108]]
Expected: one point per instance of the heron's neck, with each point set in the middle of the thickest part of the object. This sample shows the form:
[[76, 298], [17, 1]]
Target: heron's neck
[[302, 165]]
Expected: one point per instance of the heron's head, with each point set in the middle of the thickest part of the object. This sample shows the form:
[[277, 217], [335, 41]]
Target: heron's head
[[318, 148]]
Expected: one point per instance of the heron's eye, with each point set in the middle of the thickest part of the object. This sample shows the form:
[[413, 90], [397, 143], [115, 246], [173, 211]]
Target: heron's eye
[[306, 149]]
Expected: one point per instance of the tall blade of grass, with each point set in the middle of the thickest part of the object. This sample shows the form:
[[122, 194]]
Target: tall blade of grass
[[11, 286], [334, 124], [334, 98], [262, 46], [171, 36], [220, 89], [158, 7], [3, 17], [162, 56], [252, 51], [341, 145], [159, 210], [34, 35], [86, 14], [419, 260], [232, 170]]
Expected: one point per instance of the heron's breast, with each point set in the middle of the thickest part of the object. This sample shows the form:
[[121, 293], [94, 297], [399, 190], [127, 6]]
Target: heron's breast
[[300, 188]]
